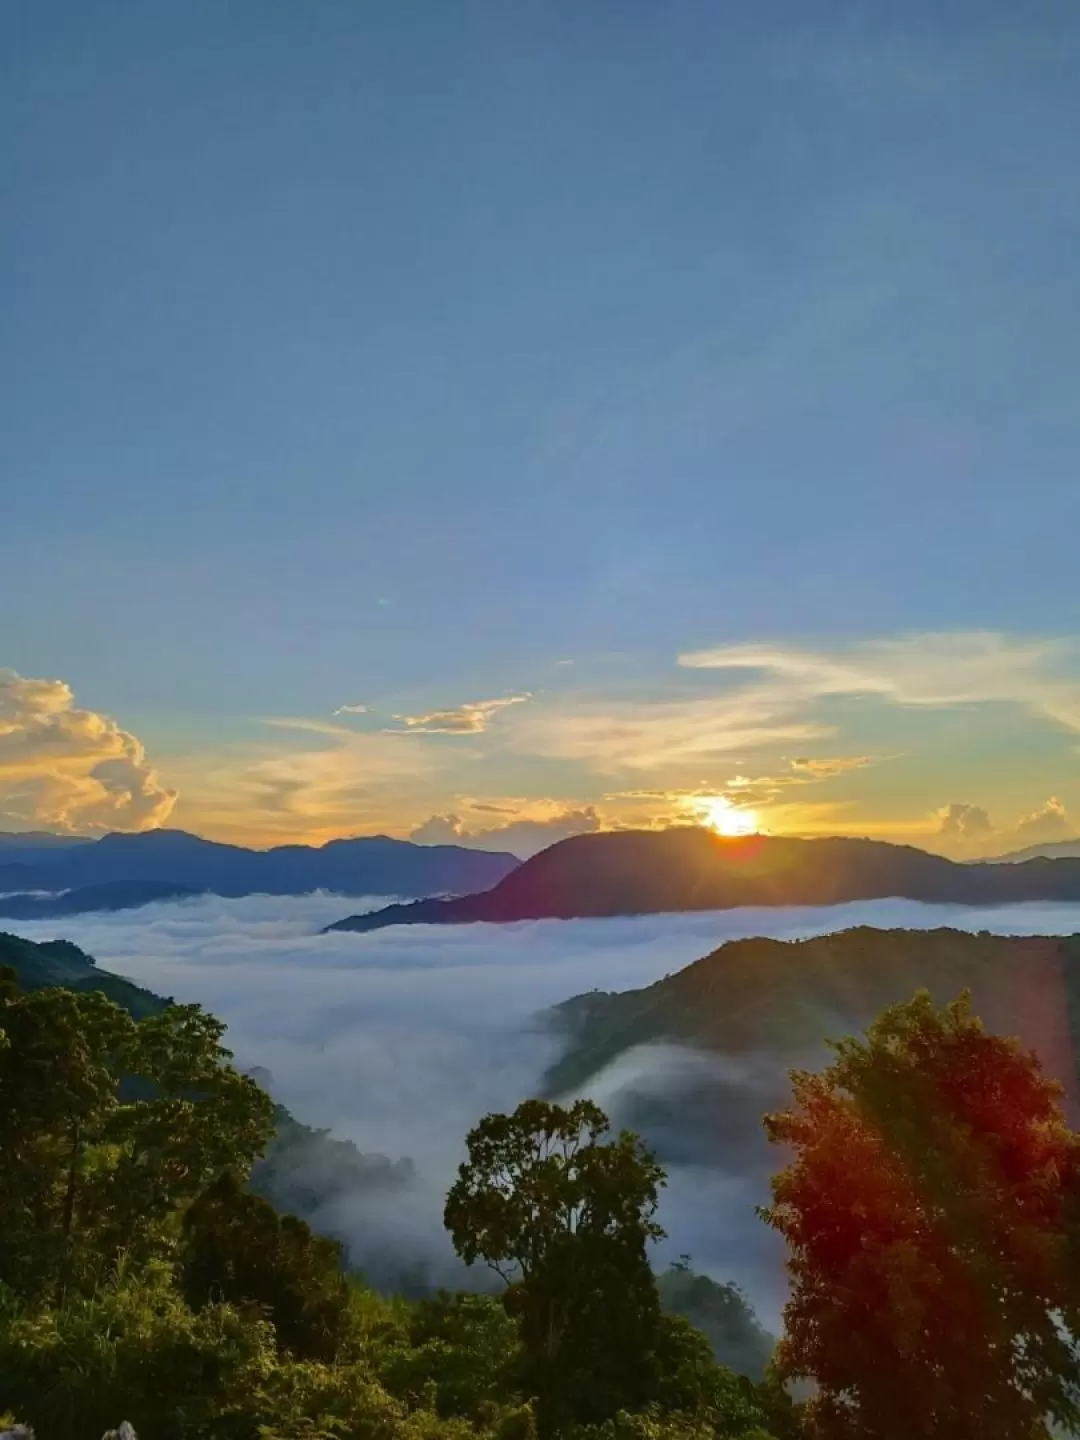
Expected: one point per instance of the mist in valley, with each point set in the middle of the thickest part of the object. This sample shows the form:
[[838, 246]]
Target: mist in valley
[[400, 1040]]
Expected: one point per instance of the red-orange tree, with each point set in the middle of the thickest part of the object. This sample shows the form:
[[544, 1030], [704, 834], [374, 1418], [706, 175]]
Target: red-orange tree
[[929, 1210]]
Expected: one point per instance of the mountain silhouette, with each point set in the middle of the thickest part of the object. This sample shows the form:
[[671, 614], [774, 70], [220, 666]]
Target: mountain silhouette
[[181, 863], [642, 872]]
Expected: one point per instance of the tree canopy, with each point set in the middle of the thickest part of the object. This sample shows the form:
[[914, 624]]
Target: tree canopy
[[930, 1213]]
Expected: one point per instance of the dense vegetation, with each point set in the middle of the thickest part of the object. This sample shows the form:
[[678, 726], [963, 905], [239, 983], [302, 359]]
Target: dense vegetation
[[141, 1277], [930, 1203]]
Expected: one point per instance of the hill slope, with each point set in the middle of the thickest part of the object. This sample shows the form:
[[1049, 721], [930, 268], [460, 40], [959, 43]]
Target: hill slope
[[694, 1061], [179, 862], [59, 962], [639, 872], [1051, 850], [785, 996], [304, 1171]]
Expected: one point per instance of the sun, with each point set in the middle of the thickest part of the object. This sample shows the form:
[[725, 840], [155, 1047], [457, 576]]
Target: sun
[[719, 814]]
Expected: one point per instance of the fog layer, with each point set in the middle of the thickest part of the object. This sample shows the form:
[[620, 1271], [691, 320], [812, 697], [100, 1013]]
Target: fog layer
[[401, 1039]]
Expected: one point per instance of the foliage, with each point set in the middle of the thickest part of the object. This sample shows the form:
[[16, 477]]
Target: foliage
[[238, 1249], [929, 1212], [133, 1349], [564, 1216], [140, 1275], [458, 1351], [88, 1174]]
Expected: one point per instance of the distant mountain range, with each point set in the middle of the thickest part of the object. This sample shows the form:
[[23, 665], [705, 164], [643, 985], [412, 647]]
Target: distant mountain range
[[118, 895], [642, 872], [120, 870], [1051, 850]]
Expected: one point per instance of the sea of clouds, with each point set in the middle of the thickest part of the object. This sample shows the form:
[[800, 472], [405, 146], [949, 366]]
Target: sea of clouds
[[401, 1039]]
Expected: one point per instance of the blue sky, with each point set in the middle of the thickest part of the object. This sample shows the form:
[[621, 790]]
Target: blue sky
[[392, 354]]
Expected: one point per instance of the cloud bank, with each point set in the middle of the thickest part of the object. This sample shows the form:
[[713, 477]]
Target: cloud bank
[[400, 1040], [68, 769], [522, 837]]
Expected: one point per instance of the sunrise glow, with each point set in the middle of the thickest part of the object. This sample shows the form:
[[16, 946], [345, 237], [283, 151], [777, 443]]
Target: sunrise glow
[[719, 814]]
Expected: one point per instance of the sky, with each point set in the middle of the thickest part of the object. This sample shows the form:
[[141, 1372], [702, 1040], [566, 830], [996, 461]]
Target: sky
[[485, 421]]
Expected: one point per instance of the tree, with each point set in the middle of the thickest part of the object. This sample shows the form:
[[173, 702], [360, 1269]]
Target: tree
[[240, 1251], [564, 1216], [108, 1128], [929, 1210]]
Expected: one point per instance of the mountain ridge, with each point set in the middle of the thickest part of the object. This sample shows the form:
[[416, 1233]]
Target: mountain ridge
[[640, 872], [362, 865]]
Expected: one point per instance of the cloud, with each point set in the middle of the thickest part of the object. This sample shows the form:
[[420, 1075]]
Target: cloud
[[964, 822], [351, 710], [402, 1039], [342, 782], [1046, 823], [826, 769], [522, 837], [934, 669], [466, 720], [69, 769], [628, 735]]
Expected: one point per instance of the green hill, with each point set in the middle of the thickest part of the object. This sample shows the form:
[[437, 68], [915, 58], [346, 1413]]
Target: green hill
[[303, 1169], [59, 962], [783, 996]]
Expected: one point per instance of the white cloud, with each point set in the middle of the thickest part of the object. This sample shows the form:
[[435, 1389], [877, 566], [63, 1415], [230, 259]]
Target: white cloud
[[351, 710], [522, 837], [935, 669], [769, 694], [69, 769], [1049, 822], [469, 719], [962, 822], [402, 1039], [628, 735]]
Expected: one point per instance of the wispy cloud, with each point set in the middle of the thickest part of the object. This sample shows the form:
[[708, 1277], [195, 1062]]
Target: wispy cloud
[[351, 710], [348, 784], [826, 768], [471, 719], [935, 669]]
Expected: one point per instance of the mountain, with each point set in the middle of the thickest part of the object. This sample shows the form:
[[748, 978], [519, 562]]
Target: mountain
[[1052, 850], [370, 865], [119, 895], [32, 847], [693, 1061], [786, 996], [641, 872], [59, 962]]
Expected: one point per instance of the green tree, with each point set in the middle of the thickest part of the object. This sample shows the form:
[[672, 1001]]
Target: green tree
[[133, 1350], [108, 1128], [564, 1216], [238, 1249], [928, 1210]]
